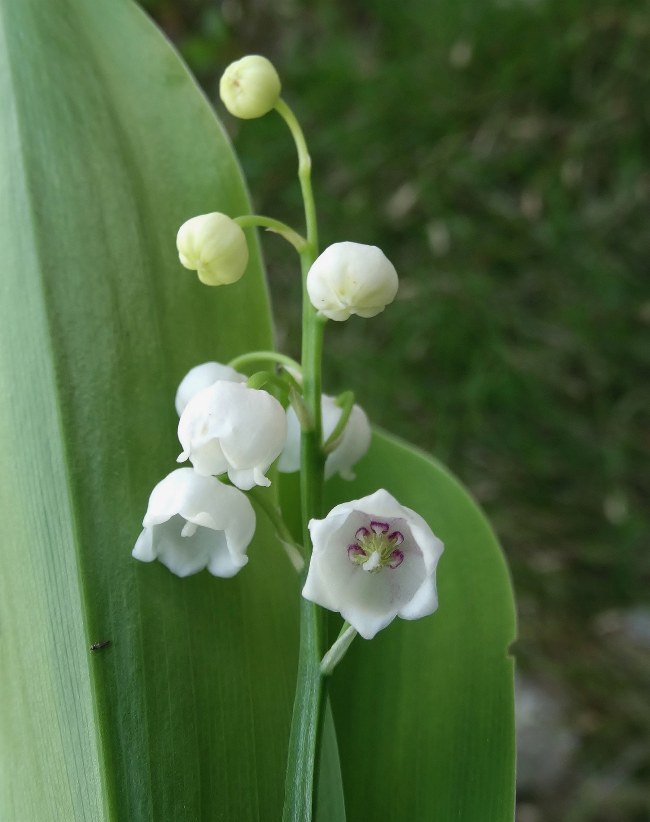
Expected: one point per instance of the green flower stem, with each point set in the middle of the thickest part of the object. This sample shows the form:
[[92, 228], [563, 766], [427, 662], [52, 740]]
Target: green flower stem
[[312, 457], [302, 412], [294, 551], [338, 649], [262, 378], [277, 227], [309, 704], [264, 356], [295, 387], [304, 176], [346, 402]]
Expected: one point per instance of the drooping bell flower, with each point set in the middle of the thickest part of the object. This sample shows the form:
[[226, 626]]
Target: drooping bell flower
[[195, 522], [230, 428]]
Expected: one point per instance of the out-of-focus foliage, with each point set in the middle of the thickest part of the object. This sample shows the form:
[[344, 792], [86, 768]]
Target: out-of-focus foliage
[[497, 151]]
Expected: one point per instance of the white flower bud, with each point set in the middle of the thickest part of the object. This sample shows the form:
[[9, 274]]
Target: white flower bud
[[373, 560], [195, 522], [351, 278], [202, 376], [214, 246], [230, 427], [250, 87], [354, 443]]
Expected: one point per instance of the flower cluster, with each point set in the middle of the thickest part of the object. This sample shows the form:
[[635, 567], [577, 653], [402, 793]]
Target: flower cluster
[[372, 559], [226, 428], [194, 520], [346, 279]]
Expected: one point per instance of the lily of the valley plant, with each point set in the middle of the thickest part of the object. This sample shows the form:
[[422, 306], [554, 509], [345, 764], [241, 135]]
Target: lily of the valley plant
[[370, 559]]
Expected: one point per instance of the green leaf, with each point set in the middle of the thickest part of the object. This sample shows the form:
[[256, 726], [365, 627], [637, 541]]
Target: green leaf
[[424, 712], [106, 147], [330, 801]]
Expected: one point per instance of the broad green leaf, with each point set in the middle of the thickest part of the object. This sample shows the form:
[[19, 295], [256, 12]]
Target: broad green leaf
[[424, 712], [106, 147]]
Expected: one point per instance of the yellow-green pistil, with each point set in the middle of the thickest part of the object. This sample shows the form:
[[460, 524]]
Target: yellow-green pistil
[[376, 547]]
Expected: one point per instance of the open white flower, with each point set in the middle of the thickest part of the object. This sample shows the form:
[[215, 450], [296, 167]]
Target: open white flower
[[354, 443], [230, 427], [214, 246], [202, 376], [250, 87], [195, 522], [373, 559], [351, 278]]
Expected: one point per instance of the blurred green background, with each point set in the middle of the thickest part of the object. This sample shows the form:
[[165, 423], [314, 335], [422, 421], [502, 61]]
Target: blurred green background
[[498, 152]]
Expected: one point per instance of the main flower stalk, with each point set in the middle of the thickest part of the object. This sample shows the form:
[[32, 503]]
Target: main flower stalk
[[304, 740]]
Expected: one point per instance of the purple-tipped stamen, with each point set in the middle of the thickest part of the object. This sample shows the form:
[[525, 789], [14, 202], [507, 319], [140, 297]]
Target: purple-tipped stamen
[[379, 527], [355, 551], [361, 533], [396, 558], [396, 537]]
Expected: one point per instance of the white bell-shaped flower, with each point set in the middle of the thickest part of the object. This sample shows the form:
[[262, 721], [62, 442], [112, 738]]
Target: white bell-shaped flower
[[229, 427], [250, 87], [200, 377], [195, 522], [214, 246], [351, 278], [373, 559], [354, 442]]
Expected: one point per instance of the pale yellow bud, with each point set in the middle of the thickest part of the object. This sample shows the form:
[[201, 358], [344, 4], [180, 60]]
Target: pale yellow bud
[[214, 246], [250, 87]]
